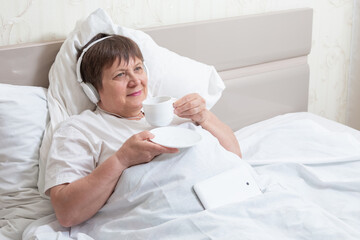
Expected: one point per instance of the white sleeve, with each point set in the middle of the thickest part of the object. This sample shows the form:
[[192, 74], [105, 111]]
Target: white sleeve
[[71, 157]]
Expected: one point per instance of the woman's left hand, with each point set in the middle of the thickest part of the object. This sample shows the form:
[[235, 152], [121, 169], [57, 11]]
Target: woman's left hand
[[192, 106]]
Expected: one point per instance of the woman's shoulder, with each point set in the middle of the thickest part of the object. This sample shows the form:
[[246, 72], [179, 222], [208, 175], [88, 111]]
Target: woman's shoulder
[[78, 121]]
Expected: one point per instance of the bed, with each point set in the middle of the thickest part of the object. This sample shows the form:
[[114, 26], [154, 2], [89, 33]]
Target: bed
[[307, 167]]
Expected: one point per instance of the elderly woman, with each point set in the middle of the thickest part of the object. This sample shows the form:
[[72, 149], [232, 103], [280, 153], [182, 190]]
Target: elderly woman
[[91, 151]]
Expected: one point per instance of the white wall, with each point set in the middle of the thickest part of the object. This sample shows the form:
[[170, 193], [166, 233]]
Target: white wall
[[42, 20]]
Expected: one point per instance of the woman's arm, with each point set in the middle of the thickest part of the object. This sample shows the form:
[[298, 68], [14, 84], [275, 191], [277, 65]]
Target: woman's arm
[[76, 202], [193, 106]]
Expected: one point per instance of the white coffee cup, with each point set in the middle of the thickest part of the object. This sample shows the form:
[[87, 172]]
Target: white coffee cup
[[159, 111]]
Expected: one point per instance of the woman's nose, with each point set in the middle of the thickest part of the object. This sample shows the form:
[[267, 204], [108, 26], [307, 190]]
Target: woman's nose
[[134, 80]]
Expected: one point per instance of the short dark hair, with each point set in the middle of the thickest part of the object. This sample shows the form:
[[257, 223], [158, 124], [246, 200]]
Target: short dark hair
[[103, 54]]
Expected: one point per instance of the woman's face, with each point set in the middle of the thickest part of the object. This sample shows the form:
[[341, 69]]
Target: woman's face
[[124, 88]]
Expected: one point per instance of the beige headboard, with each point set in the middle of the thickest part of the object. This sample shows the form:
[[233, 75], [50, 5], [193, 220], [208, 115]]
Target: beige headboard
[[262, 59]]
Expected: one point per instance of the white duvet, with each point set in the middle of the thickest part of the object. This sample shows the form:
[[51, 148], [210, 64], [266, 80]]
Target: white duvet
[[309, 177]]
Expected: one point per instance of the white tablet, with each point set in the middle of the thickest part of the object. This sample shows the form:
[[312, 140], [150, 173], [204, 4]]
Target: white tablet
[[228, 187]]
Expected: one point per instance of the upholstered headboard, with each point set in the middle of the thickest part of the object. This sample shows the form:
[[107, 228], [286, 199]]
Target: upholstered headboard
[[262, 58]]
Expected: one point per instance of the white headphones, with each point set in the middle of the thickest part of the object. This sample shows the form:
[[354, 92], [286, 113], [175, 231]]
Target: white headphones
[[88, 88]]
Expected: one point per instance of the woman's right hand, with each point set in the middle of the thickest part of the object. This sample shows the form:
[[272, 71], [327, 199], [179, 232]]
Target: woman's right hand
[[138, 149]]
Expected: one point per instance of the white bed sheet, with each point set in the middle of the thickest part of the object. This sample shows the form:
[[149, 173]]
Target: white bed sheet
[[308, 194], [298, 137]]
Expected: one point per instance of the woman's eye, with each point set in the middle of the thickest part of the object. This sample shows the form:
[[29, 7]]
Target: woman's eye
[[120, 75], [137, 69]]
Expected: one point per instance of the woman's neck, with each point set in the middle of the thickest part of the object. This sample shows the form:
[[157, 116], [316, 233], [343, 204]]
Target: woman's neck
[[136, 116]]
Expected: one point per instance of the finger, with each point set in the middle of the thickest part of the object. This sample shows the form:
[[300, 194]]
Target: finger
[[145, 135], [167, 150], [170, 150], [185, 99], [194, 104], [158, 149], [191, 112]]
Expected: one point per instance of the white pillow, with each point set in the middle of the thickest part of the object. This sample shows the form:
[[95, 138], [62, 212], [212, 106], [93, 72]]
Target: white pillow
[[23, 118], [170, 74]]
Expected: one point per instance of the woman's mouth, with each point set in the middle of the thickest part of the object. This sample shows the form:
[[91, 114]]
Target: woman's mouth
[[134, 94]]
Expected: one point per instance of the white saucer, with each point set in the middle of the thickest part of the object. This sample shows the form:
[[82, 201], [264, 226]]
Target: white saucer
[[175, 137]]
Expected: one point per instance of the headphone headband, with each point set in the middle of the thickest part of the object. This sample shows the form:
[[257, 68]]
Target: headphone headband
[[78, 65], [88, 88]]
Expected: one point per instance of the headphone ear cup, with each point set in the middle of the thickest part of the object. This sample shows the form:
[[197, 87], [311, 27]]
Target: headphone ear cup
[[90, 92]]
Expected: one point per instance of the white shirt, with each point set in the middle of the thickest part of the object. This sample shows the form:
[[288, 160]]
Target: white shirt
[[85, 141]]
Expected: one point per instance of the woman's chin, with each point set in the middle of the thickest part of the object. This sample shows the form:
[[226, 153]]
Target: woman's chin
[[137, 106]]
